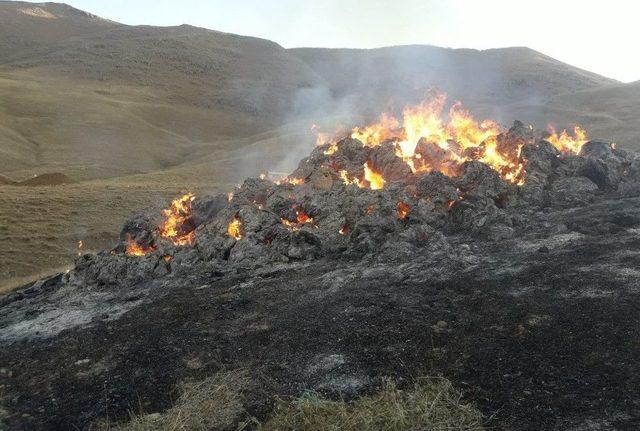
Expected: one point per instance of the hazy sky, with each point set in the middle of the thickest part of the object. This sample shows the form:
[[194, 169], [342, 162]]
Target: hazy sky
[[600, 36]]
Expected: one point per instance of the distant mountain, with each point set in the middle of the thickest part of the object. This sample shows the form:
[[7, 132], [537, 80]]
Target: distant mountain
[[26, 27], [196, 66], [94, 98], [403, 74]]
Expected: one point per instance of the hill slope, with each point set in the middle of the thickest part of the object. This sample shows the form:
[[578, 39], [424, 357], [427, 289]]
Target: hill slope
[[26, 27], [99, 99], [403, 74]]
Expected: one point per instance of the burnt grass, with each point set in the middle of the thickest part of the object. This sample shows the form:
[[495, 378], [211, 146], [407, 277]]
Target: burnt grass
[[534, 340], [527, 300]]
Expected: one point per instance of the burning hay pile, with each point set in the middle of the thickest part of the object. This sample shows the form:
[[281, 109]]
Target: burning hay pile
[[388, 190]]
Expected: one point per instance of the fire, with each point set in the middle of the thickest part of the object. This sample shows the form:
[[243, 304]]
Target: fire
[[229, 196], [301, 219], [403, 210], [178, 226], [344, 230], [80, 247], [376, 180], [349, 181], [566, 143], [321, 138], [333, 147], [375, 134], [429, 138], [234, 229], [135, 249], [290, 180]]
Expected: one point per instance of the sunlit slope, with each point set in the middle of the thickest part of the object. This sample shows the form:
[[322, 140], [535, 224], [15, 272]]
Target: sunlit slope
[[90, 130]]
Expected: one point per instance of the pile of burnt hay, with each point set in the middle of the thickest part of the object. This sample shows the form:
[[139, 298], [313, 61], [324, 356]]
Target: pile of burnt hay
[[335, 205]]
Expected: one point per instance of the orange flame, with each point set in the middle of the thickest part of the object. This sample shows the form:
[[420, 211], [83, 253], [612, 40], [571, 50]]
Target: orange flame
[[376, 180], [290, 180], [333, 147], [177, 218], [566, 143], [301, 219], [135, 249], [403, 210], [234, 229], [428, 140], [349, 181]]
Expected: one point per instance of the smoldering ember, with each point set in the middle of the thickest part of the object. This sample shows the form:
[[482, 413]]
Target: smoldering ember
[[504, 260]]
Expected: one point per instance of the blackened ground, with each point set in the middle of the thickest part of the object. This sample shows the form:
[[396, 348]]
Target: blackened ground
[[540, 331]]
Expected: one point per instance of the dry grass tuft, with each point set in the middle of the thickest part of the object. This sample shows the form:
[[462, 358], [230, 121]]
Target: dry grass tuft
[[212, 404], [217, 404], [433, 404]]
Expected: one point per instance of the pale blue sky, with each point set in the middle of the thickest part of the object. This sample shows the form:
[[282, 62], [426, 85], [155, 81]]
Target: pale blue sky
[[598, 36]]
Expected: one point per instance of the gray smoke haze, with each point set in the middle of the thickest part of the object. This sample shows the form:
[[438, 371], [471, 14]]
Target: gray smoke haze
[[499, 84]]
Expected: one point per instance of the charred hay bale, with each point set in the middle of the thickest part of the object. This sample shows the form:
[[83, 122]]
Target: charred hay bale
[[516, 137], [116, 270], [539, 158], [437, 188], [254, 251], [304, 244], [520, 134], [281, 204], [322, 178], [435, 157], [308, 165], [603, 164], [350, 156], [533, 191], [408, 243], [141, 228], [370, 232], [479, 180], [603, 174], [213, 244], [629, 189], [276, 244], [383, 159], [572, 191], [215, 240], [251, 192], [429, 213], [204, 209], [598, 150], [481, 217]]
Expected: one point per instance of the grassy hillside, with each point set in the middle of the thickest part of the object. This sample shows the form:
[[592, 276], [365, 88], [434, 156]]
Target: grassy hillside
[[92, 130], [25, 28]]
